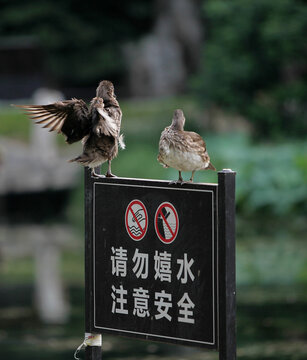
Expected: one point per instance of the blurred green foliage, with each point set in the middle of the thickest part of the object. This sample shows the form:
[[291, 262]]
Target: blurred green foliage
[[271, 260], [254, 63], [271, 178], [81, 39], [254, 59], [13, 124]]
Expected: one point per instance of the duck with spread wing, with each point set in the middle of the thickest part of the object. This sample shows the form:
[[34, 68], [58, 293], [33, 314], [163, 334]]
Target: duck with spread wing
[[97, 126]]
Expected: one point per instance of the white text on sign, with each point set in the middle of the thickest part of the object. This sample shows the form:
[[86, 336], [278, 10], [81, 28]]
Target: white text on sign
[[163, 272]]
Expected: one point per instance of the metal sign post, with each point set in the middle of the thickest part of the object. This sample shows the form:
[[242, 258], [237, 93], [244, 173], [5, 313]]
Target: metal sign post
[[92, 352], [227, 265], [160, 262]]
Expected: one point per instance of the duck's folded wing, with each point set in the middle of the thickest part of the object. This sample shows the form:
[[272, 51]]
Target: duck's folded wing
[[116, 114], [196, 143], [69, 117]]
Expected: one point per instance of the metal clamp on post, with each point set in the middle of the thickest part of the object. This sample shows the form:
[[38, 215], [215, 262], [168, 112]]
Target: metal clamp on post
[[89, 340]]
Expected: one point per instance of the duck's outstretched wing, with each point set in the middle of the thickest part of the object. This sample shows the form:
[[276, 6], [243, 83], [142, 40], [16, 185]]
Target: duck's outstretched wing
[[69, 117]]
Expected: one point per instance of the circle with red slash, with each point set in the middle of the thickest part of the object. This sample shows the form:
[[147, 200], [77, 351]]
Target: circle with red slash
[[166, 223], [136, 220]]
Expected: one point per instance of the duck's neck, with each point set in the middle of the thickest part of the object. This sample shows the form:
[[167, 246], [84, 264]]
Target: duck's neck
[[177, 126]]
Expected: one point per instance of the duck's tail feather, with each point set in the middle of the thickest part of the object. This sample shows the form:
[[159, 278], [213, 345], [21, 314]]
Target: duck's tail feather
[[121, 142], [83, 159], [211, 167]]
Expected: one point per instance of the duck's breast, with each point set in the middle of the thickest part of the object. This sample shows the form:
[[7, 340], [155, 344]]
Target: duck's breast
[[184, 160]]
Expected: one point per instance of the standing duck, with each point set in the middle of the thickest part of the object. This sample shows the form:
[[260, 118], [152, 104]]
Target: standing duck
[[183, 150], [98, 126]]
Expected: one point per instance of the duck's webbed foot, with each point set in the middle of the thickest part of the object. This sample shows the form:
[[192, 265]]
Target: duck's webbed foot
[[96, 176], [179, 181], [192, 177]]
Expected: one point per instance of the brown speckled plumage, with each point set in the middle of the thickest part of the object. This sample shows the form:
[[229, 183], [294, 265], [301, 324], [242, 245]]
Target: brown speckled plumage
[[97, 126], [183, 150]]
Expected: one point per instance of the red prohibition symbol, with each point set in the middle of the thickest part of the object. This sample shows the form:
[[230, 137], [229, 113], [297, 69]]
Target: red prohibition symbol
[[166, 223], [136, 220]]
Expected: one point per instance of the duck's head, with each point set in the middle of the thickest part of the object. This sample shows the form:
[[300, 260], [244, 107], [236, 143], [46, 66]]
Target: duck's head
[[178, 120], [105, 90]]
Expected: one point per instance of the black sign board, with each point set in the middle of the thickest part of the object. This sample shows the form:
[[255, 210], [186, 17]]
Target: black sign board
[[152, 261]]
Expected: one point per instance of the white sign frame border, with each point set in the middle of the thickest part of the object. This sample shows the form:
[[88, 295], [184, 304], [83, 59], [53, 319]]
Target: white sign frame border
[[213, 343]]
